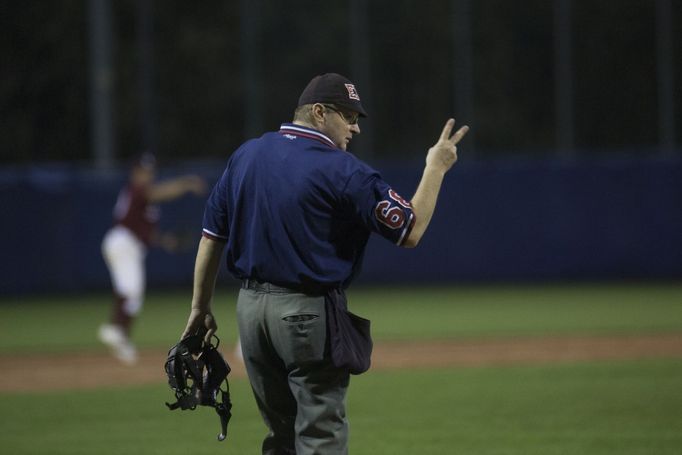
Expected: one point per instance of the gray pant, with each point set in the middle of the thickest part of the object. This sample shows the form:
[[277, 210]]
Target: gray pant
[[300, 394]]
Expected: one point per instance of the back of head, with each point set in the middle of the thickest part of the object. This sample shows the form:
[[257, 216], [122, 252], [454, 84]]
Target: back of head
[[334, 89], [143, 169], [145, 160]]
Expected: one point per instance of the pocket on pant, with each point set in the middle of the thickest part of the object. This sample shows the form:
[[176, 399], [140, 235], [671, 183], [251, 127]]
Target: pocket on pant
[[303, 338], [296, 318]]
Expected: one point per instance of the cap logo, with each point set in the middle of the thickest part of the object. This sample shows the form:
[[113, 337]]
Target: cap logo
[[352, 93]]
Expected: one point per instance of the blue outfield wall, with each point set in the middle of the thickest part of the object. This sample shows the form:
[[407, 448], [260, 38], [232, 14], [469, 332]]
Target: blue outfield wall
[[545, 220], [495, 221]]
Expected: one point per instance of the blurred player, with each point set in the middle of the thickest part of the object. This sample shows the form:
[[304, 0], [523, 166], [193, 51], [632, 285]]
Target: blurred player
[[125, 246]]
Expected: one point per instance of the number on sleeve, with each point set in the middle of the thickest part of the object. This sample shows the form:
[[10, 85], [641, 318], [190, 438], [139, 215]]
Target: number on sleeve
[[393, 217], [399, 199]]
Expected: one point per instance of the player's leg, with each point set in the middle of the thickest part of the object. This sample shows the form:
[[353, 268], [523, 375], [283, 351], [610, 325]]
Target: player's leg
[[124, 256], [321, 423], [298, 328], [267, 375]]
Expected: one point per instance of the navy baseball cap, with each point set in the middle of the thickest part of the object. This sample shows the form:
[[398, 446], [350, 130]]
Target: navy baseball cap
[[334, 89]]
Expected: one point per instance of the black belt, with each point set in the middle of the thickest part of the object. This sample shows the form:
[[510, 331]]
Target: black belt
[[269, 288], [264, 286]]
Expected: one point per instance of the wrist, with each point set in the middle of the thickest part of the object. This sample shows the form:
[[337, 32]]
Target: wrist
[[199, 308], [435, 170]]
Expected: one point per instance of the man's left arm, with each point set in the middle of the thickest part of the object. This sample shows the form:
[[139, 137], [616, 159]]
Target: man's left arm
[[439, 159], [387, 213]]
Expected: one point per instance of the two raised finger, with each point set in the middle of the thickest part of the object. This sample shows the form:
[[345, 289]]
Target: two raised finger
[[447, 130]]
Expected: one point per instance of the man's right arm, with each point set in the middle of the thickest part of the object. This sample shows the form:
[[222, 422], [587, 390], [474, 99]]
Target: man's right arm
[[205, 273], [440, 158], [174, 188]]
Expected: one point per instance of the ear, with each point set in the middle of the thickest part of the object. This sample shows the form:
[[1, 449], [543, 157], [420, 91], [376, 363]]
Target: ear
[[317, 113]]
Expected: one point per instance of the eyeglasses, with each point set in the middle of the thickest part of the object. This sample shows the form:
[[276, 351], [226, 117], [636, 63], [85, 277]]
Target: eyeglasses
[[349, 118]]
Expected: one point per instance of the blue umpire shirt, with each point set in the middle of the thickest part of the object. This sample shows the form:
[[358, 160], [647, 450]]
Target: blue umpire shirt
[[297, 211]]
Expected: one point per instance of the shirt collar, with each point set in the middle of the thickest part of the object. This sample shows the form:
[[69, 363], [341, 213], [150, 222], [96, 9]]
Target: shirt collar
[[303, 131]]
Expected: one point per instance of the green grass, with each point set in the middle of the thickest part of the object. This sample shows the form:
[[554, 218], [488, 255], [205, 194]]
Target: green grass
[[70, 322], [611, 408], [620, 408], [623, 408], [498, 311]]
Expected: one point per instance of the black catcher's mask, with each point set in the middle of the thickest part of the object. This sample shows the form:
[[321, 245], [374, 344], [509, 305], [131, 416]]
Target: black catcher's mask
[[196, 370]]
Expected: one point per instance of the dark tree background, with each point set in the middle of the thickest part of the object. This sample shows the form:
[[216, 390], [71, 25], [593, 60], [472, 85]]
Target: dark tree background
[[198, 80]]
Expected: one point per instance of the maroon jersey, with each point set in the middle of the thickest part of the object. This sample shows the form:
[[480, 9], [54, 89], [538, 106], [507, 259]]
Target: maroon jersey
[[133, 211]]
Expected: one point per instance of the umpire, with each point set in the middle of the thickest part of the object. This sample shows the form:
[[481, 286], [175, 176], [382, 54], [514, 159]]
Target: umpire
[[295, 210]]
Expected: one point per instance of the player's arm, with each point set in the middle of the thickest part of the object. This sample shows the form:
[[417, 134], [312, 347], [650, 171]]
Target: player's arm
[[205, 273], [168, 190], [440, 158]]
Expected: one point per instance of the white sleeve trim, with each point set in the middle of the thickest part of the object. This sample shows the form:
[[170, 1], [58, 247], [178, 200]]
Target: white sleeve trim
[[407, 228], [214, 234]]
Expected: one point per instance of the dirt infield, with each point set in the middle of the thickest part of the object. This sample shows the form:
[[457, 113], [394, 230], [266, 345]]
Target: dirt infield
[[98, 369]]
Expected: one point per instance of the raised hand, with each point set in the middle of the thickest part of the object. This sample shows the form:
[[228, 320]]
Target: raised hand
[[443, 154]]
